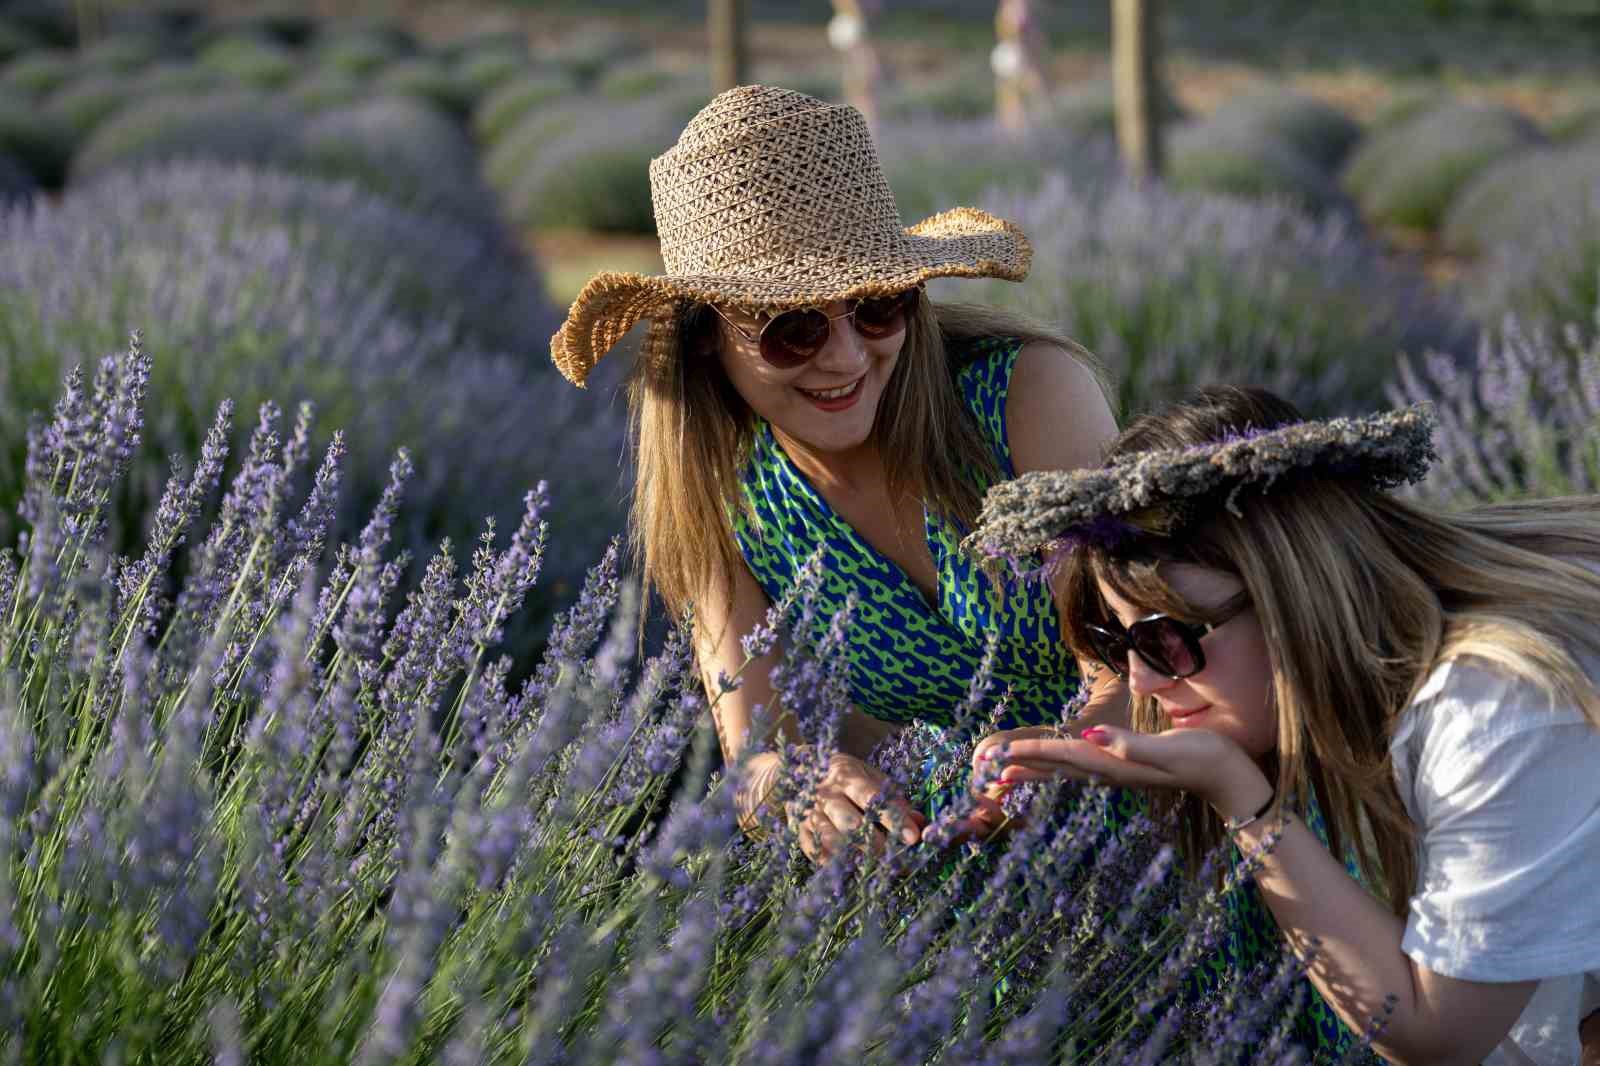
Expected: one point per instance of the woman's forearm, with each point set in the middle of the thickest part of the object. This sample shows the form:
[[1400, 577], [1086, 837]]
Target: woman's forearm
[[1357, 963]]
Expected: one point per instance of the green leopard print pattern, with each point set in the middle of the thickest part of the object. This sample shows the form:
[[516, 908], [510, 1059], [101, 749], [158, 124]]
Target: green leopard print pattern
[[911, 660]]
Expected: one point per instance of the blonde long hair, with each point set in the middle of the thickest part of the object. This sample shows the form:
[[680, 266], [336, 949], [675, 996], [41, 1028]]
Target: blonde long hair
[[691, 434], [1360, 595]]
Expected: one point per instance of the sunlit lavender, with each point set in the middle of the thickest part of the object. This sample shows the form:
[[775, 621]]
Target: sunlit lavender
[[1522, 421], [1175, 290], [256, 816]]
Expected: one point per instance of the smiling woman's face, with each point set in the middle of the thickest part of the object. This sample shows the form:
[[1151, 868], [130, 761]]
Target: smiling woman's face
[[828, 404], [1233, 694]]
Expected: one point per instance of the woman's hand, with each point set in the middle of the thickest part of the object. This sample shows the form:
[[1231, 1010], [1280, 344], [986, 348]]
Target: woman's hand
[[1207, 764], [839, 808]]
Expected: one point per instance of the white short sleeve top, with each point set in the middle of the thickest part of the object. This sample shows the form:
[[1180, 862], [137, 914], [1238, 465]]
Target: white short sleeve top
[[1503, 785]]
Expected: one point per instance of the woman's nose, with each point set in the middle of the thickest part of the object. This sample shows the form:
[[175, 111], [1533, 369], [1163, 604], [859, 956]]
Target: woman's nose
[[1142, 679], [845, 350]]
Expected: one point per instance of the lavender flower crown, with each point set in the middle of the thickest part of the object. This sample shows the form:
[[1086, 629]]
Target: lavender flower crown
[[1161, 492]]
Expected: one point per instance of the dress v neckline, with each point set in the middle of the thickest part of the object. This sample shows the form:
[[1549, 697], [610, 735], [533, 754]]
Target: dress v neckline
[[934, 608]]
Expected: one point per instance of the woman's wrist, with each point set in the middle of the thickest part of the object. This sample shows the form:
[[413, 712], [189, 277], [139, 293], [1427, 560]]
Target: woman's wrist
[[1242, 792]]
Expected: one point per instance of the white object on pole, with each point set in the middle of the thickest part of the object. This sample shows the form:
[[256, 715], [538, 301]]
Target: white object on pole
[[844, 31], [1006, 60]]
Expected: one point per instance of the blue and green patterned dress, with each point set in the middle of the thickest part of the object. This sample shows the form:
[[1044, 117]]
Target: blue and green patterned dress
[[912, 660]]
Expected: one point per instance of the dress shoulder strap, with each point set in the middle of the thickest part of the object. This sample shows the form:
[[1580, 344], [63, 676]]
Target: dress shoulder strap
[[983, 375]]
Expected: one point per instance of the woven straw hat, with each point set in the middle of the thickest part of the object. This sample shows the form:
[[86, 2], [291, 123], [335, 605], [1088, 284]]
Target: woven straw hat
[[773, 200]]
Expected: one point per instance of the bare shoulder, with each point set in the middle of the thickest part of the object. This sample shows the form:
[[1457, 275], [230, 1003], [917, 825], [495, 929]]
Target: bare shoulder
[[1057, 414]]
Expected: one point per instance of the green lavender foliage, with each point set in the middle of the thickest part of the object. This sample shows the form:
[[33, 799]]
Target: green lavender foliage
[[1319, 131], [499, 112], [36, 137], [39, 71], [1408, 174]]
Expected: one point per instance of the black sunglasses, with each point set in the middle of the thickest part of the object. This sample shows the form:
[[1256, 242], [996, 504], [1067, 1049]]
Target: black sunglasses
[[795, 337], [1168, 646]]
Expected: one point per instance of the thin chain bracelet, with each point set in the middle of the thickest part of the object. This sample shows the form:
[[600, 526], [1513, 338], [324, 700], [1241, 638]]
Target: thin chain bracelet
[[1233, 825]]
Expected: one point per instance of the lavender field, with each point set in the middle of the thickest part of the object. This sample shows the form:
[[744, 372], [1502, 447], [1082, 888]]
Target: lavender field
[[332, 726]]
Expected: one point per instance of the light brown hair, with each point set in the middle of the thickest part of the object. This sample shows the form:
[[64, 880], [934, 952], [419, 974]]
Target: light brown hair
[[691, 434], [1360, 595]]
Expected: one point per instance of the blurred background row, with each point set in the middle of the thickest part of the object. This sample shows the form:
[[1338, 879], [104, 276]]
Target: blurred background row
[[383, 208]]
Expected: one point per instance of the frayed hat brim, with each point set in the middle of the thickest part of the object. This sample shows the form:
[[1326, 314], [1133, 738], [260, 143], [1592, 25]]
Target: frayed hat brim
[[963, 242]]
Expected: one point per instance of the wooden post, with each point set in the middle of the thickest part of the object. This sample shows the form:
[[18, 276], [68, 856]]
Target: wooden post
[[730, 60], [1135, 75]]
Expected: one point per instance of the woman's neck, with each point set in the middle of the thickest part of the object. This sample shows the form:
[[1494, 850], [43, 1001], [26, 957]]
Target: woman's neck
[[858, 469]]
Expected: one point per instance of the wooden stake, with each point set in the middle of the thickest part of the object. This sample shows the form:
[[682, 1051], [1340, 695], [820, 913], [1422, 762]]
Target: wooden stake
[[1136, 74], [730, 59]]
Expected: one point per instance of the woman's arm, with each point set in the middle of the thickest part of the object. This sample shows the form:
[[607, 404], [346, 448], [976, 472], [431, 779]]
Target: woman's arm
[[1358, 960], [722, 618]]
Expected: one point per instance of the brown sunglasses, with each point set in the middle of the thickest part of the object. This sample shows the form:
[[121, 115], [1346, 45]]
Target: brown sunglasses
[[794, 338]]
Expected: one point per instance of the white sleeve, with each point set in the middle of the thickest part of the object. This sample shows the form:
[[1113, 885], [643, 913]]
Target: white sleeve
[[1506, 795]]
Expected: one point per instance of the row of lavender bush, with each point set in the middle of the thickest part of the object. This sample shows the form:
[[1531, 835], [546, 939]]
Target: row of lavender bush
[[260, 814], [407, 329]]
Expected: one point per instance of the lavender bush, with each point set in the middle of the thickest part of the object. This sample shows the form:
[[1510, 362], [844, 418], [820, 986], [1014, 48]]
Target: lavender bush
[[360, 52], [1408, 174], [933, 163], [15, 40], [427, 78], [85, 102], [318, 90], [1521, 422], [1174, 290], [408, 329], [1235, 158], [402, 148], [1088, 107], [35, 137], [592, 168], [251, 59], [255, 815], [1318, 131], [39, 71], [1536, 224], [500, 111], [484, 68], [16, 184], [237, 126]]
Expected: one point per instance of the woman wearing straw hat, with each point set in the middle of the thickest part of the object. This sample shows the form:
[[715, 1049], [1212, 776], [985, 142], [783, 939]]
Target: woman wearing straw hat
[[1320, 669], [798, 392]]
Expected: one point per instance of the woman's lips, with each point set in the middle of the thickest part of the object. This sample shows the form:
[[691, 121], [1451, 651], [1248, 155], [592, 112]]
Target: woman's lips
[[837, 402], [1179, 715]]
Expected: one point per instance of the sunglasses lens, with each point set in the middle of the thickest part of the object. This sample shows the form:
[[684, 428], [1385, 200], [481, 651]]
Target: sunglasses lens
[[1166, 647], [794, 337], [1110, 647], [884, 316]]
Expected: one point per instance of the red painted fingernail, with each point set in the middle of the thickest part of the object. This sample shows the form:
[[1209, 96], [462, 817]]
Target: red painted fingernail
[[1095, 735]]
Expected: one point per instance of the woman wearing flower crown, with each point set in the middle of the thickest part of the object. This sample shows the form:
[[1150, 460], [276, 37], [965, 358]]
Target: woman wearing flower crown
[[798, 391], [1321, 669]]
